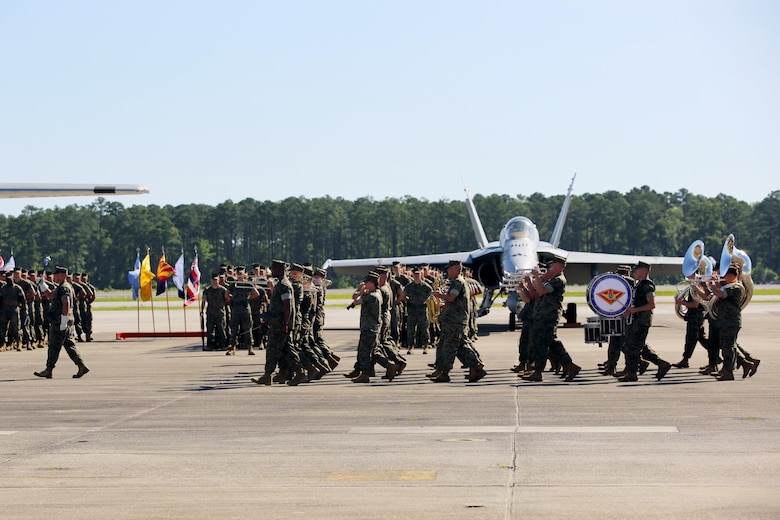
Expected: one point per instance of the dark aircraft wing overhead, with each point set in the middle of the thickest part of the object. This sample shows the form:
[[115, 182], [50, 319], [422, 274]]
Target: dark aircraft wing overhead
[[21, 191]]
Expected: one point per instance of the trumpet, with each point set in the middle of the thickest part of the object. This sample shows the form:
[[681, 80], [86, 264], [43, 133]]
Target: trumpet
[[258, 282]]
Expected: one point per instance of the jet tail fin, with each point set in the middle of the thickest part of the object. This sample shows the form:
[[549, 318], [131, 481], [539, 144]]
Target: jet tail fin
[[476, 224], [555, 239]]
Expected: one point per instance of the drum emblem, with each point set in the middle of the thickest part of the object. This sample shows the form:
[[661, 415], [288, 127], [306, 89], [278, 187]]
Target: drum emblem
[[611, 295]]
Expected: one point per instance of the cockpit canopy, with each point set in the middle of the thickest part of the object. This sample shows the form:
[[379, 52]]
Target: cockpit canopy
[[519, 228]]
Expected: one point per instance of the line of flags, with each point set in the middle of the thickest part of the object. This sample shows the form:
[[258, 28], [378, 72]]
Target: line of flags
[[140, 278], [9, 265]]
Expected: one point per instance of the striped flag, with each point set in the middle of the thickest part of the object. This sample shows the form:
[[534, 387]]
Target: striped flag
[[164, 271], [193, 283], [2, 263]]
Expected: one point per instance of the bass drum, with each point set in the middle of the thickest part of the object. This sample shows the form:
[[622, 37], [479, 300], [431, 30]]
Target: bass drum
[[609, 295]]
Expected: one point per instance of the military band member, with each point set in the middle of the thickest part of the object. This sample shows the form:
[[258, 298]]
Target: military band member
[[280, 319], [640, 315], [730, 293], [616, 344], [454, 321], [24, 311], [214, 301], [61, 331], [258, 306], [547, 290], [13, 300], [416, 295], [239, 294], [694, 325], [369, 350]]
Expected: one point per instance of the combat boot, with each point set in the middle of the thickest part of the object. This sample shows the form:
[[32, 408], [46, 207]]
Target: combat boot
[[352, 374], [443, 377], [708, 369], [399, 367], [46, 372], [663, 368], [628, 377], [333, 361], [682, 364], [609, 370], [82, 370], [362, 378], [747, 366], [265, 379], [250, 351], [755, 363], [726, 375], [410, 351], [89, 338], [433, 375], [643, 366], [391, 370], [534, 376], [476, 373], [298, 377], [281, 377], [311, 372], [571, 370]]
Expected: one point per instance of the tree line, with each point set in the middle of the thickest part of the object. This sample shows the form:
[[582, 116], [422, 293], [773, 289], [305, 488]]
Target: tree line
[[102, 237]]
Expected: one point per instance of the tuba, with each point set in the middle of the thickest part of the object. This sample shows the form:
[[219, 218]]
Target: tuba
[[733, 255], [695, 264], [434, 304]]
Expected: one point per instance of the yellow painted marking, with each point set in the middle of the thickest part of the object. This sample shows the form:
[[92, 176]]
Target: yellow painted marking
[[380, 476]]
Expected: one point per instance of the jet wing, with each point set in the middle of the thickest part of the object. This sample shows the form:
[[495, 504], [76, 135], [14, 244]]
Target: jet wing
[[361, 266], [21, 191], [581, 267]]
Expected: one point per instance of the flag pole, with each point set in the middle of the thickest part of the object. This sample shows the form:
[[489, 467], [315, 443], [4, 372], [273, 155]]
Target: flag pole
[[138, 300], [151, 301], [184, 307], [167, 301]]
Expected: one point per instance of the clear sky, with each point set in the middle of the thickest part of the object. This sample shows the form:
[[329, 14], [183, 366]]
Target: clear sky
[[208, 101]]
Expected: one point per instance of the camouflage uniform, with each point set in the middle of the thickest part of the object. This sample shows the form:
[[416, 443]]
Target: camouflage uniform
[[277, 336], [417, 323], [215, 298], [13, 300], [729, 322], [454, 320], [547, 311], [62, 338], [637, 330]]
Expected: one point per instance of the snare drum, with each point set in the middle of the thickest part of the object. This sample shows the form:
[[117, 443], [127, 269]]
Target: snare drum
[[612, 326], [609, 295], [592, 333]]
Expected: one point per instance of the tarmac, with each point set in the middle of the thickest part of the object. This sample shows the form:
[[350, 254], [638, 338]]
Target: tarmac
[[161, 429]]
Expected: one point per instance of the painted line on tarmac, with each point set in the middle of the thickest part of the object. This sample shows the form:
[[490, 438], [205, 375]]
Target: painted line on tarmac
[[365, 430], [7, 432]]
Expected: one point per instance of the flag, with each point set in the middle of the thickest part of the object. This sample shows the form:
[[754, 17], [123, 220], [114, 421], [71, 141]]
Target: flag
[[178, 276], [164, 271], [134, 276], [10, 264], [193, 284], [146, 279], [2, 263]]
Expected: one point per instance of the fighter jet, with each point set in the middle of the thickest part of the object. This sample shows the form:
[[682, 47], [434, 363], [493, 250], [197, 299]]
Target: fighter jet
[[498, 265]]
